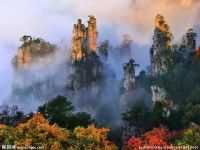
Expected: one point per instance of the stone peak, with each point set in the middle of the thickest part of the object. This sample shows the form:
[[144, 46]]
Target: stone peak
[[159, 20], [161, 25], [190, 30]]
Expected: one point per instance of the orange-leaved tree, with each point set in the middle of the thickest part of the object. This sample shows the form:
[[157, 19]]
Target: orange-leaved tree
[[98, 137]]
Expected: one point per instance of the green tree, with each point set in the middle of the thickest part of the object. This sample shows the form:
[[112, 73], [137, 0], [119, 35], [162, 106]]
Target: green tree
[[61, 111], [157, 116], [194, 96], [190, 137], [137, 116], [10, 115], [173, 120], [57, 110], [191, 114], [79, 119]]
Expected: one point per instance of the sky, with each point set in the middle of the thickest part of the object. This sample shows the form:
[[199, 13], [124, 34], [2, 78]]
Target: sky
[[53, 21]]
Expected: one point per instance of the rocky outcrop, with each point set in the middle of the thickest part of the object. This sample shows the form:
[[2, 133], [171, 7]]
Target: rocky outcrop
[[85, 72], [186, 50], [37, 73], [158, 55], [163, 54], [158, 93], [86, 65], [189, 41], [84, 38], [32, 49], [103, 50], [24, 56], [161, 43], [129, 75]]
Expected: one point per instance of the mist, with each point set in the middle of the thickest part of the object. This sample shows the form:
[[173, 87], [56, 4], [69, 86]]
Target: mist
[[42, 80], [53, 21]]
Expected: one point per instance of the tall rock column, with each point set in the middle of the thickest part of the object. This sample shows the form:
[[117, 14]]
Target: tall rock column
[[84, 39], [161, 42], [129, 75], [188, 42], [32, 49], [191, 39], [85, 67], [24, 56], [77, 41], [92, 34], [161, 45]]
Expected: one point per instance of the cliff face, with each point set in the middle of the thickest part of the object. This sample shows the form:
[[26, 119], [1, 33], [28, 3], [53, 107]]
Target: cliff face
[[186, 50], [163, 55], [85, 71], [189, 41], [84, 38], [158, 55], [158, 93], [24, 56], [92, 34], [103, 50], [129, 75], [161, 42], [85, 62], [32, 49], [35, 80]]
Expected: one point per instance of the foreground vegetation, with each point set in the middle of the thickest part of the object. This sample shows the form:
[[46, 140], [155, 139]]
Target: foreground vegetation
[[39, 133]]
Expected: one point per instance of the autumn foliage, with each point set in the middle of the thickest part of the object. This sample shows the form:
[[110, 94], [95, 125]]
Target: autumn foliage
[[198, 52], [1, 126], [38, 132], [156, 137]]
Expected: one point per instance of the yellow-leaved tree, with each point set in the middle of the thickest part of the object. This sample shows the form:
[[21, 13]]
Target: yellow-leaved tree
[[38, 132]]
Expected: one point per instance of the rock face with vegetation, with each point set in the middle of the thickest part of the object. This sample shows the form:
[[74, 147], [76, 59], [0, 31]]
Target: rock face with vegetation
[[129, 75], [31, 49], [159, 52], [84, 39], [85, 72], [164, 56], [158, 93], [103, 50], [32, 84], [186, 50], [86, 64], [161, 43]]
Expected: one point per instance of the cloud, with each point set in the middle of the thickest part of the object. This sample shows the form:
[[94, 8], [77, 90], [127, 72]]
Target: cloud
[[53, 20], [179, 14], [5, 71], [134, 16]]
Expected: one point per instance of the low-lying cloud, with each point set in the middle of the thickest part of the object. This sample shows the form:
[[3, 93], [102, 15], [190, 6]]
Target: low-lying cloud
[[53, 20]]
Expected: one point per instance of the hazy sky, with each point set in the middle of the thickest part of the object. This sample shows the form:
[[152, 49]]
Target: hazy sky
[[53, 20]]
